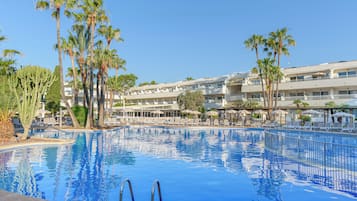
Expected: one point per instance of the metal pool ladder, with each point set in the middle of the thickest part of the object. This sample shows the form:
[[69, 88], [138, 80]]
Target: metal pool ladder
[[155, 185]]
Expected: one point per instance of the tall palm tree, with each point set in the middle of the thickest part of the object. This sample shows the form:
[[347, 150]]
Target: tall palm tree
[[253, 43], [68, 48], [104, 58], [56, 5], [74, 82], [7, 59], [110, 34], [118, 63], [279, 41], [331, 105], [92, 13], [268, 73], [80, 39]]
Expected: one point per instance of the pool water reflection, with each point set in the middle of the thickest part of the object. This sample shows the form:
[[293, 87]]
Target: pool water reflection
[[192, 165]]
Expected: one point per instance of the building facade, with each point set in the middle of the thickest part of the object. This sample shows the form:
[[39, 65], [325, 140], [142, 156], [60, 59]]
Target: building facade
[[315, 85]]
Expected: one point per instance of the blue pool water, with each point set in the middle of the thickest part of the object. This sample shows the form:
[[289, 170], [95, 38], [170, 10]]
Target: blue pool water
[[191, 165]]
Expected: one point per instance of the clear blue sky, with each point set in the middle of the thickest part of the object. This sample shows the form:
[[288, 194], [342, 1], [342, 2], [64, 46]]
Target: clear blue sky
[[169, 40]]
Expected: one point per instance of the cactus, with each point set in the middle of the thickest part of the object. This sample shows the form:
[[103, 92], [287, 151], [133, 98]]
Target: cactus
[[28, 85]]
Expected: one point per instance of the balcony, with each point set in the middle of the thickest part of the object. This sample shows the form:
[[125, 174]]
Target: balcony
[[212, 91], [313, 101], [234, 98], [308, 84], [153, 95]]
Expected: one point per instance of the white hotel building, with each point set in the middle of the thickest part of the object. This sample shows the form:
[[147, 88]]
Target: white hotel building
[[316, 85]]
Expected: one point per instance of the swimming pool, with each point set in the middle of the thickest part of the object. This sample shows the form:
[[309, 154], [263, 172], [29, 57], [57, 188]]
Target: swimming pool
[[191, 165]]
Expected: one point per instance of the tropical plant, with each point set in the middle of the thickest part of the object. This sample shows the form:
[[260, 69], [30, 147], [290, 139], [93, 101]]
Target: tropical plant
[[7, 129], [68, 48], [253, 43], [120, 84], [80, 38], [7, 59], [304, 119], [91, 13], [103, 59], [268, 70], [278, 42], [153, 82], [53, 94], [75, 83], [299, 103], [81, 114], [29, 84], [56, 6], [191, 100], [331, 105]]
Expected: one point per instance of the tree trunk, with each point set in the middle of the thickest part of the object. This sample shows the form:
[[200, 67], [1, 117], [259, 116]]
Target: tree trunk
[[26, 132], [102, 101], [84, 84], [89, 123], [276, 94], [63, 97], [111, 97], [75, 88], [263, 91], [99, 78]]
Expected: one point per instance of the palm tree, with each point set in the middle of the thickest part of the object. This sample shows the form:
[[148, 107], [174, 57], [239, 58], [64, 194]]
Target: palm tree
[[104, 58], [92, 14], [253, 43], [298, 104], [74, 82], [268, 73], [7, 59], [112, 57], [80, 39], [68, 48], [56, 6], [330, 106], [110, 34], [279, 41]]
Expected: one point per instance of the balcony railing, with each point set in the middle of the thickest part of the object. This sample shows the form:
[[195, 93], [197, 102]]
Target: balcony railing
[[234, 98], [307, 98]]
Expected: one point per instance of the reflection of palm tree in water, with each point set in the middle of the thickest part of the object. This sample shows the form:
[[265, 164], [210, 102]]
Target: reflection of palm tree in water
[[24, 181], [271, 176]]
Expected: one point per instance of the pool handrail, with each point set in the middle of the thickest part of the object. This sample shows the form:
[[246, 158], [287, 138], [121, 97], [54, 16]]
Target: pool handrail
[[156, 184], [122, 185]]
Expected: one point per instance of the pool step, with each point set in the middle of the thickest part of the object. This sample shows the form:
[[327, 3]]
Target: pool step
[[155, 185]]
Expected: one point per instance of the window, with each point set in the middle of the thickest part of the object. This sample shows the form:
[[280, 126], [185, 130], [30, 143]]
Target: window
[[320, 93], [255, 96], [344, 92], [296, 94], [351, 73], [255, 82], [342, 74], [297, 78]]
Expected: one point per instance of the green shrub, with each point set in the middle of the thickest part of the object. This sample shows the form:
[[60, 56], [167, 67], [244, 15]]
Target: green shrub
[[304, 119], [81, 114]]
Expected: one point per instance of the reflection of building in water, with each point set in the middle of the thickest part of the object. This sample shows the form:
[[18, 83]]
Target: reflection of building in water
[[333, 166], [218, 147]]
